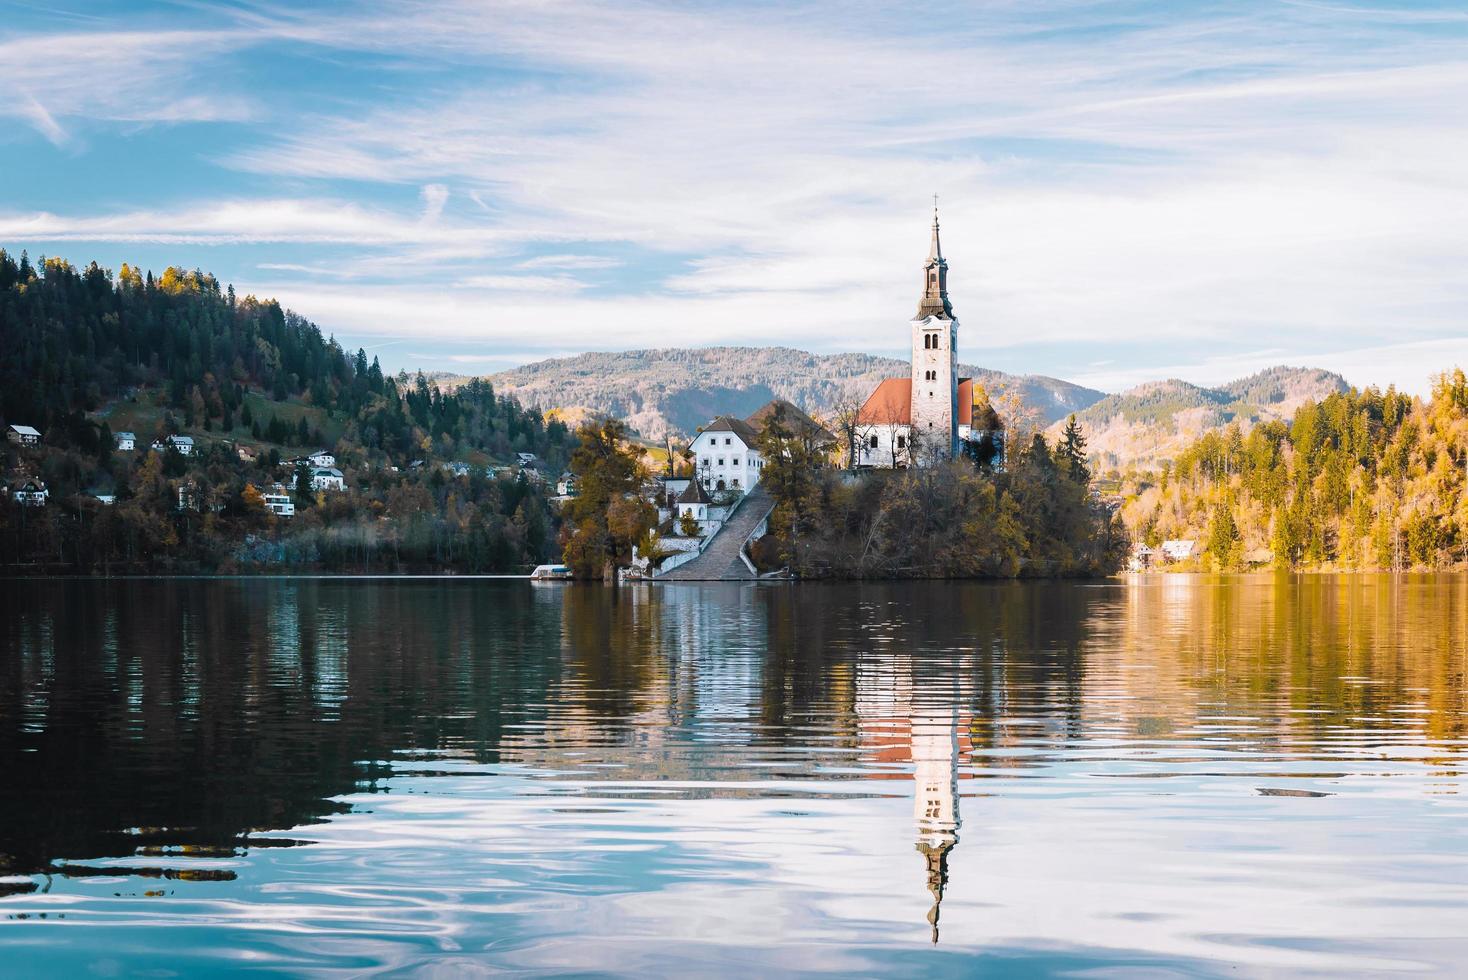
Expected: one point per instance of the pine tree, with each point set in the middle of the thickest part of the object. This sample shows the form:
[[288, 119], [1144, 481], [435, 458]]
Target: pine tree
[[1070, 452]]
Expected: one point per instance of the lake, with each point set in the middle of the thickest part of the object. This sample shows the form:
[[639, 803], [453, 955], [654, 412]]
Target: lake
[[1168, 775]]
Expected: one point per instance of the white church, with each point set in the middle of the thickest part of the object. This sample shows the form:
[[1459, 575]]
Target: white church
[[928, 416]]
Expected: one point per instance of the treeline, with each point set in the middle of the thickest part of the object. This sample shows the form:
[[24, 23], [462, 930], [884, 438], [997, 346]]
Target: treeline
[[1035, 517], [76, 339], [76, 344], [1362, 479]]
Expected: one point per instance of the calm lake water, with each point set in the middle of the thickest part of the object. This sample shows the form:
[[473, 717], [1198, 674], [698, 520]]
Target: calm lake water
[[1176, 775]]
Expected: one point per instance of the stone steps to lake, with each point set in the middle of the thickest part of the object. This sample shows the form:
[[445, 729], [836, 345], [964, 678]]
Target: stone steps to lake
[[721, 561]]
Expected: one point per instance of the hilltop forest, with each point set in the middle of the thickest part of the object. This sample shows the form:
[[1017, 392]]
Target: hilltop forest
[[85, 353], [1358, 480]]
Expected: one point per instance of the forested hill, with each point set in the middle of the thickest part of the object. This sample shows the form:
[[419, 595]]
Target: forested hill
[[1153, 422], [679, 389], [72, 340], [1360, 479], [416, 485]]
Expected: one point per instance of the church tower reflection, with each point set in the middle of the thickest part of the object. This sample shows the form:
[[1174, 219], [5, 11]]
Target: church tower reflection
[[935, 794], [907, 719]]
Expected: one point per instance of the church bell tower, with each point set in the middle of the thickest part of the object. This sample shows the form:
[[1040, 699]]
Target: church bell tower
[[935, 361]]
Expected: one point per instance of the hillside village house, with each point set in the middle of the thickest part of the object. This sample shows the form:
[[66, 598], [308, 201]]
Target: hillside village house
[[125, 442], [23, 435], [324, 478], [320, 458], [726, 453], [1179, 549], [932, 414], [29, 493], [184, 445], [278, 502]]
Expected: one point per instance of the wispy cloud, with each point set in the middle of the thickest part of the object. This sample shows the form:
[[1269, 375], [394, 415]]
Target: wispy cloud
[[1130, 174]]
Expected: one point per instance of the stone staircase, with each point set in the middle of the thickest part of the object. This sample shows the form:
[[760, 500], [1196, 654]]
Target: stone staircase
[[720, 561]]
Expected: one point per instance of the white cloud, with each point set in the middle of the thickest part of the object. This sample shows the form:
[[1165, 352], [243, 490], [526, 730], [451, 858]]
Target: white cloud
[[1280, 173], [572, 262]]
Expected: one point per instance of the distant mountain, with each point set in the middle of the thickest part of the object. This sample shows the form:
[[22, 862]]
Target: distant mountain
[[676, 390], [1153, 421]]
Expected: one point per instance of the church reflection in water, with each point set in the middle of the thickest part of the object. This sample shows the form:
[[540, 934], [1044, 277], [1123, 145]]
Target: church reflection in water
[[167, 725], [910, 721]]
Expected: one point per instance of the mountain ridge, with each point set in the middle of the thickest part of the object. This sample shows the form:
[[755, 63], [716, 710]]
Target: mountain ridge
[[674, 390], [1151, 422]]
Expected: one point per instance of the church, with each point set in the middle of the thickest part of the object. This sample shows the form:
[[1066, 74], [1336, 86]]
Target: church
[[928, 416]]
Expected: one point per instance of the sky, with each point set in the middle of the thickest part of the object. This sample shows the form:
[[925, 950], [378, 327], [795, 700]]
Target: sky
[[1128, 190]]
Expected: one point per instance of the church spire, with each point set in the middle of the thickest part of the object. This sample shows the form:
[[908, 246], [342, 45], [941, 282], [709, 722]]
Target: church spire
[[934, 302], [935, 253]]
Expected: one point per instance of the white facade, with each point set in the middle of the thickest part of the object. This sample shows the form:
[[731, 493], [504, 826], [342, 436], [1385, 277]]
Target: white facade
[[126, 442], [184, 445], [325, 478], [32, 493], [280, 504], [883, 446], [935, 386], [23, 435], [1179, 549], [724, 459]]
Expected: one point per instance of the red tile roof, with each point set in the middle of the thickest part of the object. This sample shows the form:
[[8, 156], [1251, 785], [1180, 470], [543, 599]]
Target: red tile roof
[[890, 404]]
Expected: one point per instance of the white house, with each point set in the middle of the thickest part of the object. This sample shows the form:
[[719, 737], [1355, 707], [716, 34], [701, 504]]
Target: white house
[[106, 499], [458, 469], [324, 478], [930, 414], [23, 435], [725, 457], [566, 485], [279, 503], [126, 442], [525, 459], [322, 458], [31, 493], [1179, 549], [184, 445], [693, 502], [726, 453]]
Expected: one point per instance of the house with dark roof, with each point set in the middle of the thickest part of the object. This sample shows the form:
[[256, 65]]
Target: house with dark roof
[[693, 502], [23, 435], [726, 453]]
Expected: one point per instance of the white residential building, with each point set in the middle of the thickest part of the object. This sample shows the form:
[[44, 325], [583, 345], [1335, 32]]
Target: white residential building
[[23, 435], [125, 442], [279, 503], [726, 454], [693, 502], [31, 493], [184, 445], [324, 478], [1179, 549], [725, 457]]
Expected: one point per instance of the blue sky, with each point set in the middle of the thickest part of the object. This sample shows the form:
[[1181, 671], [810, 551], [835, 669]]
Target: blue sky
[[1129, 190]]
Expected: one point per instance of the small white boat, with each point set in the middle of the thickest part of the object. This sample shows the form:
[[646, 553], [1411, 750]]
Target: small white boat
[[545, 573]]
